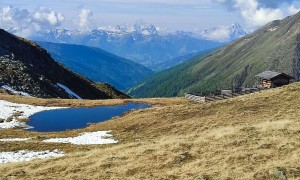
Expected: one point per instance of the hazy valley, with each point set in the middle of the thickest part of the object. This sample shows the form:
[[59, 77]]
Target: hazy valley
[[98, 65]]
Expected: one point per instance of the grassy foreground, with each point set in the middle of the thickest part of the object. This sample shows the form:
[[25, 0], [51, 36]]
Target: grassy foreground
[[256, 136]]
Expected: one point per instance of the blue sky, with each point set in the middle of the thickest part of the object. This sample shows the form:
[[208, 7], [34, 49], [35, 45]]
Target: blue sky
[[172, 14]]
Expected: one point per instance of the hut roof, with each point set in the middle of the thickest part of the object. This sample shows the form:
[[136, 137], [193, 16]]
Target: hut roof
[[268, 75]]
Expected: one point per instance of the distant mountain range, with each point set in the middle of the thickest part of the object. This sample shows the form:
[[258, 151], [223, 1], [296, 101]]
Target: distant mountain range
[[275, 46], [28, 69], [98, 65], [144, 44]]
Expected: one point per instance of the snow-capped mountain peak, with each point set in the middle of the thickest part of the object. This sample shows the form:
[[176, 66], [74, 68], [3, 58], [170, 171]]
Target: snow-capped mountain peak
[[143, 29], [219, 34], [236, 31], [223, 33]]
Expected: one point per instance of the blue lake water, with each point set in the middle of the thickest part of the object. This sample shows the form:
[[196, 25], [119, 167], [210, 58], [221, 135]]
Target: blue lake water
[[75, 118]]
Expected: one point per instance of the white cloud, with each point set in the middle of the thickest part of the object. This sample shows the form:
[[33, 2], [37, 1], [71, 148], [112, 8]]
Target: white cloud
[[220, 34], [293, 10], [48, 17], [84, 18], [256, 12], [29, 22], [10, 16], [255, 15], [261, 3]]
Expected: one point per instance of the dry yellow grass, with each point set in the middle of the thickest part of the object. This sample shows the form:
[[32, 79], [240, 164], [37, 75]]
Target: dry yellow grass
[[241, 138], [85, 103]]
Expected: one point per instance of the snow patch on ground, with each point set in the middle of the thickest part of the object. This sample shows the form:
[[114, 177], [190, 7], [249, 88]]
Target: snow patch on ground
[[69, 91], [12, 124], [14, 91], [8, 109], [273, 29], [87, 138], [24, 155], [14, 139]]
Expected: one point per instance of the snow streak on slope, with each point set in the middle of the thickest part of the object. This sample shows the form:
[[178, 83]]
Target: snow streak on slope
[[69, 91], [14, 91]]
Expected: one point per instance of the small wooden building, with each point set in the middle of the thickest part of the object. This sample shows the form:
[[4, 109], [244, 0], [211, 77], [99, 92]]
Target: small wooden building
[[270, 79]]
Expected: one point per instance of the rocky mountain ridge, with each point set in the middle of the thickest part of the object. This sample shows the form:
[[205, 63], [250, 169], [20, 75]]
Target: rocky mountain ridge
[[26, 67]]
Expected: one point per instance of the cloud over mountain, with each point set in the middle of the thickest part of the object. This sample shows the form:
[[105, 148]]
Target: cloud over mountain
[[261, 3], [293, 10], [258, 12], [48, 17], [220, 34], [84, 18], [41, 19], [10, 16], [273, 3]]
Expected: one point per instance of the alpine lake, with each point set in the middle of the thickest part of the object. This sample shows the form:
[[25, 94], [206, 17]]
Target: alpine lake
[[76, 118]]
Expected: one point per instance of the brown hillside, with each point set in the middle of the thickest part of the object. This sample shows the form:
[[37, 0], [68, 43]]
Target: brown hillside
[[250, 137]]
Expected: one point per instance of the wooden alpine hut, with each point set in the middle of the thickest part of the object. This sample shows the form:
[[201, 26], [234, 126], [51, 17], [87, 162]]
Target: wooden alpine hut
[[272, 79]]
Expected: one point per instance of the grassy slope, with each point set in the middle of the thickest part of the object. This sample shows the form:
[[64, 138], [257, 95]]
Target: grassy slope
[[173, 62], [168, 83], [240, 138], [273, 47]]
